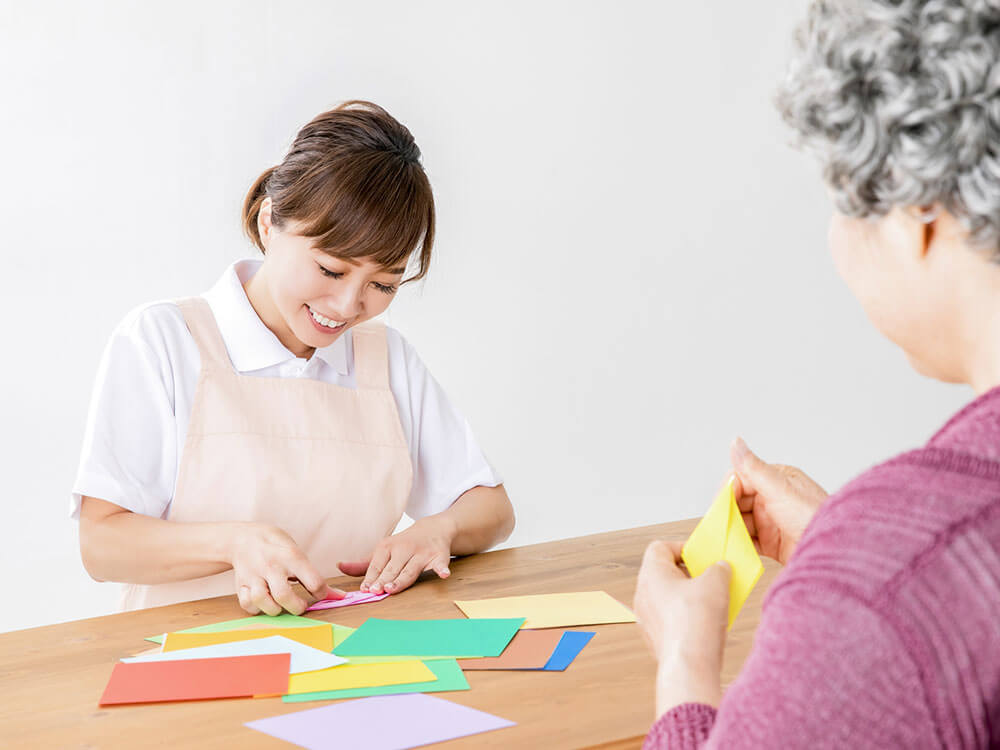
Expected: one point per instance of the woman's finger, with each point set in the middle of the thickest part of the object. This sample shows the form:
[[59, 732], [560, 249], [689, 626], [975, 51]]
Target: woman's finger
[[440, 565], [283, 594], [379, 559], [307, 574], [407, 575], [397, 562], [665, 556], [676, 548], [744, 497], [261, 598], [246, 600]]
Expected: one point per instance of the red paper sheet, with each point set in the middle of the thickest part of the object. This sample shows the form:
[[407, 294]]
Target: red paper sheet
[[198, 679]]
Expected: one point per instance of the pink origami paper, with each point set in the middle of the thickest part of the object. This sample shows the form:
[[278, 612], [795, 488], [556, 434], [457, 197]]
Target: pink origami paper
[[353, 597]]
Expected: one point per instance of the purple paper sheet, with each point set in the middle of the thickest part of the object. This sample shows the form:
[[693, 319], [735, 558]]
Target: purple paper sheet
[[382, 722], [353, 597]]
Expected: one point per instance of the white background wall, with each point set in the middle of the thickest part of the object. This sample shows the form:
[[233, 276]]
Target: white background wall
[[631, 267]]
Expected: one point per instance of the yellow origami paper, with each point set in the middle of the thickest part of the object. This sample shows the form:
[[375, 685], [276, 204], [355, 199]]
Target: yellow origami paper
[[349, 676], [320, 636], [722, 535], [552, 610]]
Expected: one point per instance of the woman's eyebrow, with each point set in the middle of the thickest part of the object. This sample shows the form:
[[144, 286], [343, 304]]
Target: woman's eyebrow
[[395, 271]]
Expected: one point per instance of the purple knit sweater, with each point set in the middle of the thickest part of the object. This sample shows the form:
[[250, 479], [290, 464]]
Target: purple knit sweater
[[883, 631]]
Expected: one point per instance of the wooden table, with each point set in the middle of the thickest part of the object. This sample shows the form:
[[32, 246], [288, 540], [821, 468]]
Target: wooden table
[[52, 677]]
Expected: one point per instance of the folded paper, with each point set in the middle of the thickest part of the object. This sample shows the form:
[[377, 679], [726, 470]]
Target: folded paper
[[722, 535], [353, 597]]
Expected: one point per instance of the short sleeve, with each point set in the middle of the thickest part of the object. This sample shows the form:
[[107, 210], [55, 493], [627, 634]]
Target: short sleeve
[[129, 454], [447, 459]]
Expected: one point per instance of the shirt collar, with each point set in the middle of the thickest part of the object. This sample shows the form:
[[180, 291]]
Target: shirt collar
[[250, 343]]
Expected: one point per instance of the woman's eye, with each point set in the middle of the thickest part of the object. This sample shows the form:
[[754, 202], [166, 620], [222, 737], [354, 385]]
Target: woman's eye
[[385, 288], [327, 272]]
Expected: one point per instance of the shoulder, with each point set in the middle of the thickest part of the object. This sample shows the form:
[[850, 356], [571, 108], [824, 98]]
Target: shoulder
[[402, 354], [881, 530], [154, 331], [394, 339], [151, 322]]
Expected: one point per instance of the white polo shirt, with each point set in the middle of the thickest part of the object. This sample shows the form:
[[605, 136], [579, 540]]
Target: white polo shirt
[[146, 381]]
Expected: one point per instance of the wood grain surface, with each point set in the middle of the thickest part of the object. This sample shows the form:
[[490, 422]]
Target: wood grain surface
[[52, 677]]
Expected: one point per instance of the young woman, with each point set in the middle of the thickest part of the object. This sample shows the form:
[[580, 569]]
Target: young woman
[[269, 431]]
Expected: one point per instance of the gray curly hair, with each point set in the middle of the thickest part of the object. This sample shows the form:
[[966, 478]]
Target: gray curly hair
[[901, 102]]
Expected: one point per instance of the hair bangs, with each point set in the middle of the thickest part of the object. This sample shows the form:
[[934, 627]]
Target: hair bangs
[[373, 206]]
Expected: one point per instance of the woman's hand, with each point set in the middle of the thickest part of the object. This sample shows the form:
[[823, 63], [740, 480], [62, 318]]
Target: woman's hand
[[266, 561], [399, 559], [684, 620], [777, 501]]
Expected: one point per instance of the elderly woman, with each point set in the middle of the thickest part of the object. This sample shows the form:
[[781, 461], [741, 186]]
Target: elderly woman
[[884, 628]]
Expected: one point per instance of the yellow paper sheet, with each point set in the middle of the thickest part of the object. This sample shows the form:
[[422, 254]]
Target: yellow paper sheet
[[722, 535], [552, 610], [350, 676], [320, 636]]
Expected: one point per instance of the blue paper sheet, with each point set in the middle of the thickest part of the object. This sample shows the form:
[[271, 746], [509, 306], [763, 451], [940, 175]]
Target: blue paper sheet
[[570, 645]]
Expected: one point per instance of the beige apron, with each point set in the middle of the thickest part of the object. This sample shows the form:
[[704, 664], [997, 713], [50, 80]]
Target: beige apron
[[327, 464]]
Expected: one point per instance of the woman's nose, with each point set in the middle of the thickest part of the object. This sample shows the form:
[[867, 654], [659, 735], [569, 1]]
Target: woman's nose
[[348, 303]]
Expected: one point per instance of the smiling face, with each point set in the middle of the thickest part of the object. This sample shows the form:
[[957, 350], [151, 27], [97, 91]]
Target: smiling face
[[307, 297]]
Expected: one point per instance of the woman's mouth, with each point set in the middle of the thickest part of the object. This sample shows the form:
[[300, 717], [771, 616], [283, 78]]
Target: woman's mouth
[[325, 324]]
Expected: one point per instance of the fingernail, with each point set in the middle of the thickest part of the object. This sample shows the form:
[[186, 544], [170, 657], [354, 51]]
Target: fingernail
[[390, 586], [724, 564], [741, 450], [364, 587]]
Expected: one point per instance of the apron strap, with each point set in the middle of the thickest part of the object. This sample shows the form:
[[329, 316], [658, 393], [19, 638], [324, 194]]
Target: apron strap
[[201, 323], [371, 355]]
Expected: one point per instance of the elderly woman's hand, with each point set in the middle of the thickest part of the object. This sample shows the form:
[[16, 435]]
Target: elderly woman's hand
[[777, 501], [684, 620]]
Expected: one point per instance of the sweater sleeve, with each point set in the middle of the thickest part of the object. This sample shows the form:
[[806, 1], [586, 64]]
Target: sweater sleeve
[[825, 671]]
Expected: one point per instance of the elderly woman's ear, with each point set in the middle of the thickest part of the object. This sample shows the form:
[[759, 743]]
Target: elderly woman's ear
[[927, 216]]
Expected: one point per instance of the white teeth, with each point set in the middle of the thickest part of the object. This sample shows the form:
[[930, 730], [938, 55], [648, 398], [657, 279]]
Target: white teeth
[[324, 321]]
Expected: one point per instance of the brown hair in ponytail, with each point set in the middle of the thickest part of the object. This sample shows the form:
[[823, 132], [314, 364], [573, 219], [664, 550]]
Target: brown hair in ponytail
[[352, 180]]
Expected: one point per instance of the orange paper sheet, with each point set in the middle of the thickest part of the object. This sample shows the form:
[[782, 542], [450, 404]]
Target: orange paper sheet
[[320, 637], [529, 649], [197, 679]]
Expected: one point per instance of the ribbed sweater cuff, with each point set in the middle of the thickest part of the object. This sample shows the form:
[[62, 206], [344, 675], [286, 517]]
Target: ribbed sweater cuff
[[684, 726]]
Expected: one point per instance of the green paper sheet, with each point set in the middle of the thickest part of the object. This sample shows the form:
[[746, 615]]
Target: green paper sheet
[[449, 677], [340, 634], [456, 637], [284, 620]]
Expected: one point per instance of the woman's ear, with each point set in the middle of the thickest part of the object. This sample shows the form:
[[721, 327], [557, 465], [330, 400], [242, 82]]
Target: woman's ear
[[928, 218], [265, 226]]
